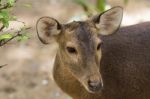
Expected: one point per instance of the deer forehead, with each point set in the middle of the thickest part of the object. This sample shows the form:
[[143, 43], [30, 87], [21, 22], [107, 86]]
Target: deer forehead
[[80, 32]]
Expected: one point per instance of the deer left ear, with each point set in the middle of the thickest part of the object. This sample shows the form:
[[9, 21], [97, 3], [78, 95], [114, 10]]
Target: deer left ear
[[109, 21], [48, 29]]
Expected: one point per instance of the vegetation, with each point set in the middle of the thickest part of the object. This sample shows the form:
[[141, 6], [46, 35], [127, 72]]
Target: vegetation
[[6, 17], [90, 8]]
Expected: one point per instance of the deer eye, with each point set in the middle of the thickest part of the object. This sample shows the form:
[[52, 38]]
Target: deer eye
[[71, 50], [99, 46]]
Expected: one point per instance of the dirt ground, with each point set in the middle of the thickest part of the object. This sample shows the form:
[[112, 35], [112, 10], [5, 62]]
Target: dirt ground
[[28, 74]]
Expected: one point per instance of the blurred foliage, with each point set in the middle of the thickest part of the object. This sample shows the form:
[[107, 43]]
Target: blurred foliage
[[91, 8], [27, 5], [101, 5], [5, 18], [5, 36], [126, 1], [3, 65], [94, 8]]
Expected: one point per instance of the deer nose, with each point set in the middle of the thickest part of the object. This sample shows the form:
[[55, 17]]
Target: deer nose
[[95, 86]]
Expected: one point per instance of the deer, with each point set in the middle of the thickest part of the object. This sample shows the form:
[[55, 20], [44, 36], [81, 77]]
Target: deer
[[98, 59]]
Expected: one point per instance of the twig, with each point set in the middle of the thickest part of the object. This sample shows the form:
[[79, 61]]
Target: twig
[[3, 66], [6, 6], [15, 1], [2, 43], [2, 28]]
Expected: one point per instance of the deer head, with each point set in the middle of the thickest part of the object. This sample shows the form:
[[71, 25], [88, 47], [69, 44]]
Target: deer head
[[80, 45]]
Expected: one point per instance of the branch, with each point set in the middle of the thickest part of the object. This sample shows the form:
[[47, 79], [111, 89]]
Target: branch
[[3, 66], [6, 6], [3, 42], [1, 28]]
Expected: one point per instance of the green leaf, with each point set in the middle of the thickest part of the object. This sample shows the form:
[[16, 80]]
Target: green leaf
[[4, 18], [5, 22], [1, 16], [101, 5], [5, 36], [4, 13], [11, 2], [13, 18], [23, 37]]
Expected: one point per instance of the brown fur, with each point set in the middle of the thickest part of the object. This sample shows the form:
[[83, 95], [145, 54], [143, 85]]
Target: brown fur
[[125, 67], [91, 66]]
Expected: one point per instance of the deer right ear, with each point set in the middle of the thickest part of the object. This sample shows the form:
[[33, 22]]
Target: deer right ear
[[47, 29], [109, 21]]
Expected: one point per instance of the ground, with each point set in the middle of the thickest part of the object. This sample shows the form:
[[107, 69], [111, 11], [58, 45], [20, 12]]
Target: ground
[[28, 74]]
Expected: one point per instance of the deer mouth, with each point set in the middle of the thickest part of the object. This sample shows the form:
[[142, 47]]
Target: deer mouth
[[94, 86]]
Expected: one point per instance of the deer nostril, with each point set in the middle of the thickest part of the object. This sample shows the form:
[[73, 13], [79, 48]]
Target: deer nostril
[[95, 85]]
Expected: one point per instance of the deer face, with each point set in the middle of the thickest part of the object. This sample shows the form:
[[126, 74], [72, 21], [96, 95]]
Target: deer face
[[79, 44]]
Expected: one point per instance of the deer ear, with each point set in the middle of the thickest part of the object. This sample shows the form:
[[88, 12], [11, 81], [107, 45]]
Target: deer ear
[[109, 21], [47, 29]]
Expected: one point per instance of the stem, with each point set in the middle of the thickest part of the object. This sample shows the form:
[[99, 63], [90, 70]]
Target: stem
[[2, 28], [3, 66], [2, 43]]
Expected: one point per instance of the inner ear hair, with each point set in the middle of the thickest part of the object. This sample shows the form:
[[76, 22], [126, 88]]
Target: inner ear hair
[[109, 21], [48, 29]]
